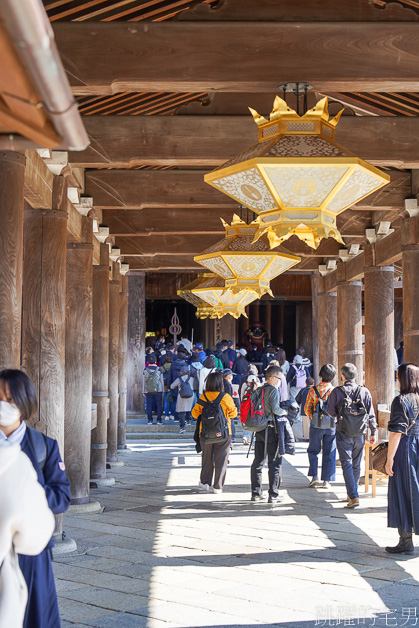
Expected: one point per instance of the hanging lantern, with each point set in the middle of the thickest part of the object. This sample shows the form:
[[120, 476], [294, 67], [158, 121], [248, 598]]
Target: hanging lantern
[[244, 263], [223, 300], [187, 294], [296, 177], [205, 311]]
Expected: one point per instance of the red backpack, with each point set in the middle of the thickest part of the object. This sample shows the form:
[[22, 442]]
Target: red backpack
[[252, 411]]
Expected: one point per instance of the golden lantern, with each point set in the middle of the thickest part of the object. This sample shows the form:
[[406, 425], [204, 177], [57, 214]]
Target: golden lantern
[[223, 300], [244, 263], [187, 294], [205, 311], [296, 178]]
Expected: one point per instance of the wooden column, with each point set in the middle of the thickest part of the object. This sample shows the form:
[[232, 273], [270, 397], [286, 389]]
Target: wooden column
[[398, 323], [243, 326], [304, 331], [78, 359], [410, 270], [266, 315], [315, 324], [328, 329], [349, 298], [100, 357], [278, 323], [379, 332], [12, 170], [43, 314], [254, 313], [136, 341], [122, 363], [112, 452]]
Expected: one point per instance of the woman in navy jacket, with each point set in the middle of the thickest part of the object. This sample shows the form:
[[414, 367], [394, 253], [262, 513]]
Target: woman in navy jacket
[[17, 390]]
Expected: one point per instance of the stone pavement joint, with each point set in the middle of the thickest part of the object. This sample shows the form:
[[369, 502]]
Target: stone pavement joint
[[162, 555]]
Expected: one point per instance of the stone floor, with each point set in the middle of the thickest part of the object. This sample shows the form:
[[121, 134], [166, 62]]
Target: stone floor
[[163, 555]]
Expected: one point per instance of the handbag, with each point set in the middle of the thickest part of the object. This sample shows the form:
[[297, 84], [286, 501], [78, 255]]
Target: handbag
[[378, 459]]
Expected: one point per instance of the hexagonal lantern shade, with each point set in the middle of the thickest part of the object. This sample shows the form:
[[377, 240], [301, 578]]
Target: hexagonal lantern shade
[[187, 294], [244, 263], [296, 177], [205, 311], [213, 291]]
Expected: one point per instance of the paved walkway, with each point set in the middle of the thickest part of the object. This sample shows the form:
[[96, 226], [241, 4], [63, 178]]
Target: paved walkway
[[163, 555]]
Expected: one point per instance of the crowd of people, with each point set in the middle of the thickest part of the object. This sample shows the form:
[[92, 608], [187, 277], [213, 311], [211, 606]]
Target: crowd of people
[[214, 387]]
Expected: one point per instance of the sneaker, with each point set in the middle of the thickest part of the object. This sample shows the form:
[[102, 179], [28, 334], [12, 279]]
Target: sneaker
[[257, 498], [352, 503], [171, 417], [203, 488], [167, 418], [326, 485], [160, 422], [245, 441], [149, 422], [215, 490], [315, 482], [275, 500], [182, 430]]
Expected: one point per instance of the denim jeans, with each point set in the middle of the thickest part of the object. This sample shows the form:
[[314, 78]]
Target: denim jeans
[[350, 450], [156, 397], [169, 406], [183, 417], [322, 439]]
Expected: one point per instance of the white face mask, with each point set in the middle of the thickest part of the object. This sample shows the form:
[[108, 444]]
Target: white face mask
[[9, 413]]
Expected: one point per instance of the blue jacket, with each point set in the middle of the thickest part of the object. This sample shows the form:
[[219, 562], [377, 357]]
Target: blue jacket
[[42, 607], [174, 371]]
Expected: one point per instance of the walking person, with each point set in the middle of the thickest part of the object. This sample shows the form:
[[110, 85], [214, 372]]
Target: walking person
[[215, 410], [19, 404], [153, 389], [248, 387], [296, 377], [281, 356], [271, 447], [208, 368], [301, 399], [185, 396], [322, 433], [352, 406], [168, 402], [403, 460]]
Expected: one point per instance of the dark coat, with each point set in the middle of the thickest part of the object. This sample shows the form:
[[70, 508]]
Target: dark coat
[[240, 365], [337, 397], [223, 357], [42, 607], [174, 372]]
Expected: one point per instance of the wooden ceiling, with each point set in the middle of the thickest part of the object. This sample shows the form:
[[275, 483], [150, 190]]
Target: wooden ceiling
[[165, 101]]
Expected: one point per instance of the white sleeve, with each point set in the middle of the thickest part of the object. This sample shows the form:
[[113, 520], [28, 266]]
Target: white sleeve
[[34, 524]]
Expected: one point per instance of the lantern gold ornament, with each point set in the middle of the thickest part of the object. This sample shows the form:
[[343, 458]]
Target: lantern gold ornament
[[205, 311], [223, 301], [244, 263], [296, 178]]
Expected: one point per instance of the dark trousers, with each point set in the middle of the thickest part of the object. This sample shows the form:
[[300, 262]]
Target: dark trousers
[[157, 397], [274, 462], [325, 439], [214, 462], [183, 417], [350, 450]]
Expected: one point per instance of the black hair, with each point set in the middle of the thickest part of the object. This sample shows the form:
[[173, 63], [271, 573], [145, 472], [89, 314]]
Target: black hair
[[272, 371], [210, 362], [21, 390], [309, 381], [152, 358], [214, 383], [408, 376], [327, 373]]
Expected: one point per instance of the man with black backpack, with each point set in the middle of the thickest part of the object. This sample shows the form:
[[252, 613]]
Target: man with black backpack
[[153, 389], [352, 405], [267, 443]]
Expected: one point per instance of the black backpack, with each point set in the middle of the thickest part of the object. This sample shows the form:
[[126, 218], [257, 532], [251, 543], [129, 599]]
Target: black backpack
[[39, 445], [185, 390], [320, 419], [292, 410], [214, 426], [353, 415]]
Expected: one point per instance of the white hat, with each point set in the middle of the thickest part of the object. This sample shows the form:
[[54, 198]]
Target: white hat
[[252, 378], [243, 352]]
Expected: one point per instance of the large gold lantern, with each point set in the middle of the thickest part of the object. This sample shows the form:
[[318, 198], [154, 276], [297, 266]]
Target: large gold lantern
[[223, 300], [244, 263], [296, 178]]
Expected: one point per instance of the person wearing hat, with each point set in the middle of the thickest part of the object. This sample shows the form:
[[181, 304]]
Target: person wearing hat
[[240, 364], [228, 388], [296, 377], [184, 401], [230, 352], [199, 351]]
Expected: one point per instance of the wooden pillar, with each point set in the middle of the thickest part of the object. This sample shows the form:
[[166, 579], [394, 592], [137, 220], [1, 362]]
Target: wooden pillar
[[254, 313], [243, 327], [112, 451], [78, 359], [12, 170], [379, 333], [349, 298], [304, 332], [410, 273], [43, 314], [328, 329], [278, 323], [266, 316], [100, 357], [136, 341], [398, 323], [315, 323], [122, 363]]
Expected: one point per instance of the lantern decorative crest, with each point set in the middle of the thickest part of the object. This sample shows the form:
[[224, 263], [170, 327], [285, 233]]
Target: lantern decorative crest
[[244, 263], [296, 178], [214, 292]]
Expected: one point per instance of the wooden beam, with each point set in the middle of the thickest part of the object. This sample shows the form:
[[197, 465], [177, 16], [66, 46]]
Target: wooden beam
[[141, 189], [105, 58], [389, 249], [38, 182], [354, 268], [200, 140]]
